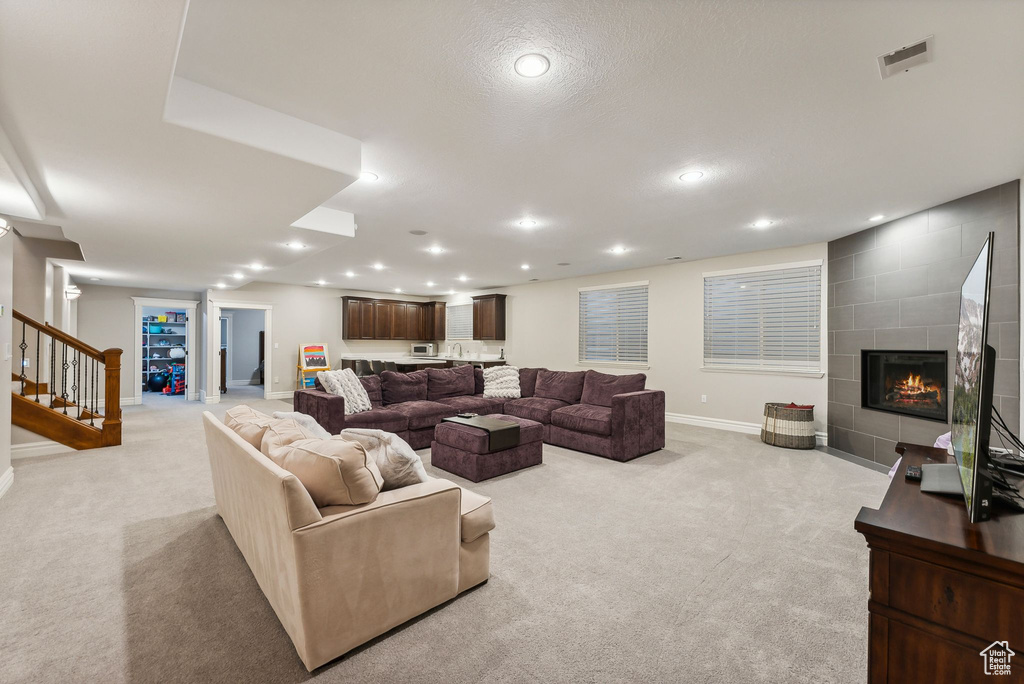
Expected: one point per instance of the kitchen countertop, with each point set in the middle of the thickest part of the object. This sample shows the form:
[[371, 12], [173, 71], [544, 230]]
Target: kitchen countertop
[[405, 359]]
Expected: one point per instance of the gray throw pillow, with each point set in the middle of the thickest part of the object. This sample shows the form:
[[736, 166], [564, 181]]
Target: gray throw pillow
[[399, 465]]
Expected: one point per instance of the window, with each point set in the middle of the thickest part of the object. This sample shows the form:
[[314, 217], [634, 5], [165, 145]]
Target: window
[[460, 322], [613, 324], [766, 319]]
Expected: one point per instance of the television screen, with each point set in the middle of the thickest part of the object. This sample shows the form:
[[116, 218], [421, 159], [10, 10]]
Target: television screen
[[972, 395]]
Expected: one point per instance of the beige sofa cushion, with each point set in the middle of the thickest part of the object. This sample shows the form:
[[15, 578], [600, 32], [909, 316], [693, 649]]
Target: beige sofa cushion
[[279, 434], [248, 423], [335, 472]]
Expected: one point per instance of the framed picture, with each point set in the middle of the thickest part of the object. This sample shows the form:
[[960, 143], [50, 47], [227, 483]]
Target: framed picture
[[313, 357]]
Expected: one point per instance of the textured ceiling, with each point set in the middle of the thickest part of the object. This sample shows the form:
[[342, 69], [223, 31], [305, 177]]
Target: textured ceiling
[[779, 103]]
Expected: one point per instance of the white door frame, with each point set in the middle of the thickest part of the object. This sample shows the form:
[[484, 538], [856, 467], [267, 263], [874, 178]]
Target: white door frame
[[213, 345], [191, 359]]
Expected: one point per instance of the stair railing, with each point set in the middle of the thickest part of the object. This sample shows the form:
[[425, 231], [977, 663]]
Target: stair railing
[[84, 383]]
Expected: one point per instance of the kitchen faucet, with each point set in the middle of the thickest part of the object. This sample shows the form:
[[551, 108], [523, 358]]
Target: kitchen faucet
[[459, 345]]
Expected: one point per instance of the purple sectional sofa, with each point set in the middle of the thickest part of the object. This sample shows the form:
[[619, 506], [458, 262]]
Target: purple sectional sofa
[[607, 415]]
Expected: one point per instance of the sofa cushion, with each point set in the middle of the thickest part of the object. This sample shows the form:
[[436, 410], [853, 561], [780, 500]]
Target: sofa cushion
[[379, 419], [599, 388], [450, 382], [565, 386], [596, 420], [423, 414], [477, 515], [399, 465], [528, 381], [400, 387], [344, 383], [283, 431], [308, 423], [475, 404], [248, 423], [371, 383], [335, 472], [534, 408], [478, 380]]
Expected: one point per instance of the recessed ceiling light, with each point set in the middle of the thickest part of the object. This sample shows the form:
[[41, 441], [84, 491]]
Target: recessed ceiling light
[[532, 66], [435, 249], [763, 223], [618, 249], [350, 274], [321, 282], [430, 283], [368, 176], [398, 290], [451, 292], [525, 267], [527, 223], [877, 217], [256, 266], [691, 176], [221, 285], [295, 245], [463, 278], [378, 266]]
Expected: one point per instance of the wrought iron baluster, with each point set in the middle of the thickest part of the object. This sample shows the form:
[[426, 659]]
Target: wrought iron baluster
[[53, 375], [85, 385], [75, 375], [38, 338], [23, 346], [95, 370], [64, 377]]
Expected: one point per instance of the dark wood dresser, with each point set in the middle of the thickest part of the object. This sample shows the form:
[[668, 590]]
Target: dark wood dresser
[[941, 589]]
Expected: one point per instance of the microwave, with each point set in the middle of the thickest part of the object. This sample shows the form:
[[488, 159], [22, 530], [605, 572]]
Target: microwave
[[422, 349]]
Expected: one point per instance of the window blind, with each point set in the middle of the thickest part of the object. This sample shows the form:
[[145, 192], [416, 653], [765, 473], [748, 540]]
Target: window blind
[[613, 324], [459, 324], [764, 320]]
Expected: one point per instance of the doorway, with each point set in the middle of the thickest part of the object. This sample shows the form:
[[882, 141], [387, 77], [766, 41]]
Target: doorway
[[164, 353], [242, 349]]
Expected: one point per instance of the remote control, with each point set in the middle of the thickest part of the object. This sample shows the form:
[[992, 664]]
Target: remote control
[[914, 473]]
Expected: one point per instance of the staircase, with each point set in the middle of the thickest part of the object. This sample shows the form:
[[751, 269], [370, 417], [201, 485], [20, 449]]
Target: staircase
[[78, 402]]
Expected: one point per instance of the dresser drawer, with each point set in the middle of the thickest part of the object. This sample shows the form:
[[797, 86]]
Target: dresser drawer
[[966, 603]]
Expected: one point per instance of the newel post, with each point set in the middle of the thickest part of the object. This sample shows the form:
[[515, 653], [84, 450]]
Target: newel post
[[112, 397]]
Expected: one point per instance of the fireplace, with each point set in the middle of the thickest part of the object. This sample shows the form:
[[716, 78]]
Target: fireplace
[[910, 383]]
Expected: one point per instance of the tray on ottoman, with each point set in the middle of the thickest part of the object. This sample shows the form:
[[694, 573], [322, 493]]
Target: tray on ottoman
[[465, 449]]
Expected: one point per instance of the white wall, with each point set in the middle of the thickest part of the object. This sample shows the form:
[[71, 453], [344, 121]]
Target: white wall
[[301, 315], [244, 353], [542, 323], [6, 355]]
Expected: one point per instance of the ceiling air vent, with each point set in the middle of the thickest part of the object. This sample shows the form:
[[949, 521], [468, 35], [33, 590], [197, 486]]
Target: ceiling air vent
[[906, 58]]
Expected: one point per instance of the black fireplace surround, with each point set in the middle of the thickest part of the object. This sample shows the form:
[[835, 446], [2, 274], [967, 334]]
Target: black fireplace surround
[[910, 383]]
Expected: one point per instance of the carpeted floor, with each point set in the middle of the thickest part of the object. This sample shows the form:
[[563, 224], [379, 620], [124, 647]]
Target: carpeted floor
[[718, 559]]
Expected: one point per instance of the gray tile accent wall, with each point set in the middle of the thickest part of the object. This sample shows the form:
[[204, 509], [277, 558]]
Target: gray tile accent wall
[[896, 286]]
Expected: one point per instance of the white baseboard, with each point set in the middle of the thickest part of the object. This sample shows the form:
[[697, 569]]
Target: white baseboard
[[211, 399], [285, 394], [6, 480], [821, 438], [241, 383], [44, 447]]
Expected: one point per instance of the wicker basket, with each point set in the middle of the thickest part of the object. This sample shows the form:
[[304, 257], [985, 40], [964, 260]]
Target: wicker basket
[[792, 428]]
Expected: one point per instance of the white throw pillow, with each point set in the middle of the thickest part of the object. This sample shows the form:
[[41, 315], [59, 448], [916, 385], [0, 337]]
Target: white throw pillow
[[306, 421], [501, 382], [344, 383], [399, 465]]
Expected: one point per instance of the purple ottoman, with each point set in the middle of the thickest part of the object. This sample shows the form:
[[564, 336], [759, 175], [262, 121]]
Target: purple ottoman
[[462, 450]]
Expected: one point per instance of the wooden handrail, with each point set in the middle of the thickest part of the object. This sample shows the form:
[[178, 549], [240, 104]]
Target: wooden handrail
[[60, 335]]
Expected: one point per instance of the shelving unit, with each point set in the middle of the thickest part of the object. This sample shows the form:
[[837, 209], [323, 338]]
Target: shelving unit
[[175, 334]]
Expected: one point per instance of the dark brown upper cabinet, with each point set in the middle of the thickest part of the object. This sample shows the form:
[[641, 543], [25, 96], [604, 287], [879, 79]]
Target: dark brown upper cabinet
[[386, 319], [489, 317]]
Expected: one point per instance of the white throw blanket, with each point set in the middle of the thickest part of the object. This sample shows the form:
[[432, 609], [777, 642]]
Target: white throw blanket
[[399, 465], [344, 383], [501, 382]]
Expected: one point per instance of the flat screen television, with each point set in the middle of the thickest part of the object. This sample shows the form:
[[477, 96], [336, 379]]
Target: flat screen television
[[972, 387]]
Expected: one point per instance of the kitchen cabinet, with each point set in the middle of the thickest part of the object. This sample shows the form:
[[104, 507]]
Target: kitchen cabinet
[[387, 319], [489, 317]]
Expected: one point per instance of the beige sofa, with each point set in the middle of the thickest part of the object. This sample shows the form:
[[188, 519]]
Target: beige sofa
[[342, 575]]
